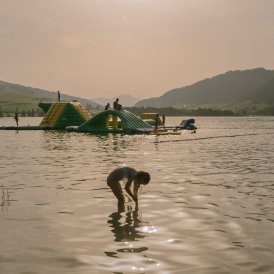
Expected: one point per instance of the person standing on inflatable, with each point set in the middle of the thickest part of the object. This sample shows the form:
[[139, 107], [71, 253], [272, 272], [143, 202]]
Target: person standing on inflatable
[[16, 118], [116, 105], [164, 121]]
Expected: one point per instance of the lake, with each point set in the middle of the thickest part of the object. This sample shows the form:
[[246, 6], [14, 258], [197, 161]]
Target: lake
[[208, 209]]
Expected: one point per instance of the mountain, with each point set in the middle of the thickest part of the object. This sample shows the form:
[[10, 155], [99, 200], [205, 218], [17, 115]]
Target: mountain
[[230, 88], [125, 100], [264, 93], [14, 96]]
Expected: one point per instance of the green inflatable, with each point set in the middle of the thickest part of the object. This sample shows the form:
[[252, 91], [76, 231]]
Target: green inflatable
[[114, 121], [61, 115], [58, 116]]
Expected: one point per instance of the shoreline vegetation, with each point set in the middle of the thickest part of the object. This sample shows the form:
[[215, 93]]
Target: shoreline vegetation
[[200, 111], [168, 111]]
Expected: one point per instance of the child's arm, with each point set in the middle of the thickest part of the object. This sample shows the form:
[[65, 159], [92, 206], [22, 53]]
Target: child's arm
[[127, 188], [135, 188]]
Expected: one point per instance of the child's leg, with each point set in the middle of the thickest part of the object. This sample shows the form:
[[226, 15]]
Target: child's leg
[[117, 191]]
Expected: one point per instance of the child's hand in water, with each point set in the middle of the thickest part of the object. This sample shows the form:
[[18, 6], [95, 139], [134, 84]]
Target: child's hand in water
[[135, 199], [128, 198]]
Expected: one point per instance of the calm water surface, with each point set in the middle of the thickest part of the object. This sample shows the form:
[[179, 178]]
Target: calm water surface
[[208, 209]]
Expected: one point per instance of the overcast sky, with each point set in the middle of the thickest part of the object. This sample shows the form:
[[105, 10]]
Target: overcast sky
[[95, 48]]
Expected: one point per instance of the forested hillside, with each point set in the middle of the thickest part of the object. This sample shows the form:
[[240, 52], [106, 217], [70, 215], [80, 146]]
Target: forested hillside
[[231, 89]]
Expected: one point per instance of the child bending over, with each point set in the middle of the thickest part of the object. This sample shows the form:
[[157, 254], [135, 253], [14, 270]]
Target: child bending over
[[131, 175]]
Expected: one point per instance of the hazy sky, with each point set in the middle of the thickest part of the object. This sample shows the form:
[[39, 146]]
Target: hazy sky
[[94, 48]]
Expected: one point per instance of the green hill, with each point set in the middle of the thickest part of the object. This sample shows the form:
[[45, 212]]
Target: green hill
[[228, 90], [264, 94], [14, 97]]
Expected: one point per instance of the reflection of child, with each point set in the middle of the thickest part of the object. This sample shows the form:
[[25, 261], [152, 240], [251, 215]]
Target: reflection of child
[[131, 175]]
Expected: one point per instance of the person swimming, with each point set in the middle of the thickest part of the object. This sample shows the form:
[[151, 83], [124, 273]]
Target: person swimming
[[138, 178]]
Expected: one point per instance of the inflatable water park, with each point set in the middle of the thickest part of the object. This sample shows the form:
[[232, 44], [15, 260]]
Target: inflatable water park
[[73, 117]]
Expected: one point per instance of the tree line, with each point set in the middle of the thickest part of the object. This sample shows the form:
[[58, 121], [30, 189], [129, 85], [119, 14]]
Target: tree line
[[168, 111], [23, 113]]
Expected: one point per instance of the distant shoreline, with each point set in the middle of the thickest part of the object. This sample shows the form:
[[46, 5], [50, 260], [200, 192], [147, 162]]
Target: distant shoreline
[[171, 112]]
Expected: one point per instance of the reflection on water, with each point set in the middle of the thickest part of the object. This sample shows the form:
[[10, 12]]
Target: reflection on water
[[5, 203], [208, 208], [124, 226], [129, 231]]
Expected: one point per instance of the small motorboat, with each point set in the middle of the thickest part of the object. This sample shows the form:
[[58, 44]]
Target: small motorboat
[[187, 124]]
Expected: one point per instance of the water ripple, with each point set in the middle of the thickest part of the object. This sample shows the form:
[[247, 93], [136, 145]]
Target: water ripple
[[208, 208]]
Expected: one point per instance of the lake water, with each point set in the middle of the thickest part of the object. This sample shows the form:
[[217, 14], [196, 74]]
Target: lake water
[[209, 207]]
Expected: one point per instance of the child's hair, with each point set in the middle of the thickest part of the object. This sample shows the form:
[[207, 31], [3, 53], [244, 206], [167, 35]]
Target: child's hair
[[143, 176]]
